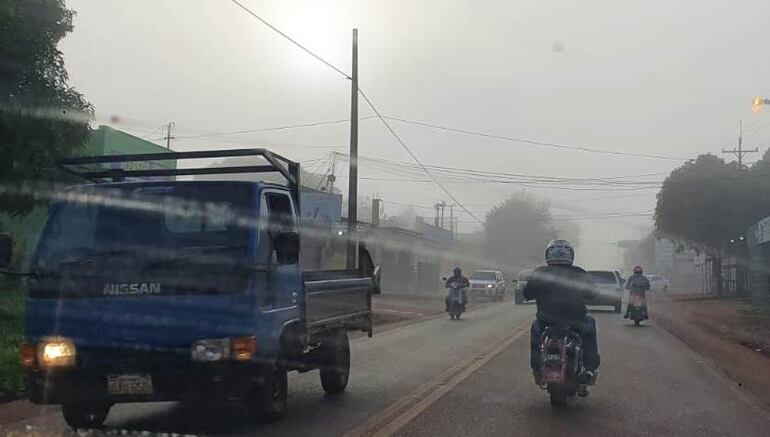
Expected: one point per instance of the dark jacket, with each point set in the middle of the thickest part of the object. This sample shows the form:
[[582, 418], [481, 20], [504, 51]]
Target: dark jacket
[[461, 279], [638, 283], [561, 293]]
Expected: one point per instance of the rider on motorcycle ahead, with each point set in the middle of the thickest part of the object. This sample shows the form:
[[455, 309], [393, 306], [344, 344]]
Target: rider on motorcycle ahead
[[561, 291], [457, 276], [638, 284]]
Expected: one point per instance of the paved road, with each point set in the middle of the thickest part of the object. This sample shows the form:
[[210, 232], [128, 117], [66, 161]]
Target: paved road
[[438, 377], [385, 368], [650, 384]]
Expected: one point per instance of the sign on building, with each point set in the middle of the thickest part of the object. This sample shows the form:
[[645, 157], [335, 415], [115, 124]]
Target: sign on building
[[763, 230], [320, 207]]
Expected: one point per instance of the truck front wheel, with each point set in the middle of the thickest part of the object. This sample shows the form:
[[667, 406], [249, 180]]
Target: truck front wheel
[[335, 369], [85, 415], [267, 402]]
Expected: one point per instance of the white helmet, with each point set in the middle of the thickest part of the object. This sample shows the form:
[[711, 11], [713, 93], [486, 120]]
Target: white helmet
[[559, 252]]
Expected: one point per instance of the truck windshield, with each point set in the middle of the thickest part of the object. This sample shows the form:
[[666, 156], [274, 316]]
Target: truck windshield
[[144, 226], [484, 276]]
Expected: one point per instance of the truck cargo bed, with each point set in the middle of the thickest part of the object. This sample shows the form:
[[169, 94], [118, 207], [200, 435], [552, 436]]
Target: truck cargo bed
[[337, 298]]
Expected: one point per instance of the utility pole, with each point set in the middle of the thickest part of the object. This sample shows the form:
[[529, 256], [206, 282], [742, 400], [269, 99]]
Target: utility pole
[[353, 172], [435, 220], [443, 206], [376, 212], [168, 135], [739, 151], [452, 220]]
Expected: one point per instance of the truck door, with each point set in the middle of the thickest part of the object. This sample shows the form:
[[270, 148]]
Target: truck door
[[281, 237]]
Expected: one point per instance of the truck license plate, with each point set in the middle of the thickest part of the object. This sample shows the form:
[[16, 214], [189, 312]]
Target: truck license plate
[[129, 384]]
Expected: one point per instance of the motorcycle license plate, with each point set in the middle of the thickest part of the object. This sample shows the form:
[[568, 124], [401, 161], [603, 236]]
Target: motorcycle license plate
[[129, 384], [553, 357]]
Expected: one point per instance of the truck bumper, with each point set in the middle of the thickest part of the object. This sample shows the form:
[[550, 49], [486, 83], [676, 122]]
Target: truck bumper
[[196, 382]]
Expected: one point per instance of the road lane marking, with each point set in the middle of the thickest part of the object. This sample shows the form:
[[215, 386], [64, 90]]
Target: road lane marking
[[403, 411]]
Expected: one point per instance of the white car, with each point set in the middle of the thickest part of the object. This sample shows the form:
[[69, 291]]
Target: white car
[[487, 284], [658, 283]]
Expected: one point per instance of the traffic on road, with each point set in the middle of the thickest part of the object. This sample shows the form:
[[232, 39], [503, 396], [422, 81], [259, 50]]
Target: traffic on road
[[294, 218]]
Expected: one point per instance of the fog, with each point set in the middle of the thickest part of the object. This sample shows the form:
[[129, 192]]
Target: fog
[[669, 79]]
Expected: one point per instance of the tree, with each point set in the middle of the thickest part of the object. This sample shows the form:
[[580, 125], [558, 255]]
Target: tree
[[707, 202], [42, 118], [517, 230]]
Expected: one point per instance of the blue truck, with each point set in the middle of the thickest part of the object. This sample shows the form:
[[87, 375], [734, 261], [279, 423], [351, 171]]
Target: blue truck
[[145, 286]]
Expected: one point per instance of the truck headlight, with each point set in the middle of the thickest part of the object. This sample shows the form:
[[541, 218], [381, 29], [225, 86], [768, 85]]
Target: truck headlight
[[490, 286], [216, 349], [56, 352]]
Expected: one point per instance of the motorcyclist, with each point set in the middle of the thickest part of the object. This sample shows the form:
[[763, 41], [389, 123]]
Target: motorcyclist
[[457, 276], [638, 284], [561, 291]]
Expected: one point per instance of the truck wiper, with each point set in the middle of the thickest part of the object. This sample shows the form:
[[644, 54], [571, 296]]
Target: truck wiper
[[99, 255]]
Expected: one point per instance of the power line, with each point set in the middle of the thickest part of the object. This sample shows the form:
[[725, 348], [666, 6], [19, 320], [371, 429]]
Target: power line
[[417, 160], [269, 129], [534, 142], [303, 48]]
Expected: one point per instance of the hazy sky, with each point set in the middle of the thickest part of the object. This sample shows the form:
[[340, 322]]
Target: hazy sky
[[657, 77]]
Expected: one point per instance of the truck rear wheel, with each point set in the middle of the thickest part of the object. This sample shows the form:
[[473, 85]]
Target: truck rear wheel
[[85, 415], [335, 369], [267, 402]]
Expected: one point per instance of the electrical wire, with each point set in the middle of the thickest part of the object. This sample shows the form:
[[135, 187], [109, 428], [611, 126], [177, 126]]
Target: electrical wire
[[269, 129], [293, 41], [534, 142], [416, 159]]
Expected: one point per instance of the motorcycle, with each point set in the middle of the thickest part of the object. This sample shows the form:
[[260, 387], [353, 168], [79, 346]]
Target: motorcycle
[[636, 311], [561, 358], [456, 301]]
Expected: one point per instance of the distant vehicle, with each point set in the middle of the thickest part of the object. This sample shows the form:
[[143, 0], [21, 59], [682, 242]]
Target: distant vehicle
[[518, 294], [487, 284], [456, 305], [658, 283], [610, 289], [636, 310], [164, 301]]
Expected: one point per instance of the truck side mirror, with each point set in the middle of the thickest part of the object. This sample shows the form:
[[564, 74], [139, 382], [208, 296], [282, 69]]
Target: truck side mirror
[[286, 246], [6, 250]]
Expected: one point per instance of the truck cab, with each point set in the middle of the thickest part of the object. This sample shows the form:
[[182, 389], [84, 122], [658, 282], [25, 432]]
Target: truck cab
[[176, 290]]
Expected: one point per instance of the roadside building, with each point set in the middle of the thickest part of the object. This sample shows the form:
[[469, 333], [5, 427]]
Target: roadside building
[[758, 248], [103, 141]]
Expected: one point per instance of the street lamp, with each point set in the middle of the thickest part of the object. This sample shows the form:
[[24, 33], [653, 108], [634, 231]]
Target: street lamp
[[756, 104]]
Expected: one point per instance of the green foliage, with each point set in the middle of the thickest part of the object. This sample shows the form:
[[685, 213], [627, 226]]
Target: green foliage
[[11, 333], [41, 118], [708, 202], [517, 230]]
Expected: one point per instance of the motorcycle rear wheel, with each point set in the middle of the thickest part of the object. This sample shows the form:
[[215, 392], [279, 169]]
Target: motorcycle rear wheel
[[558, 396]]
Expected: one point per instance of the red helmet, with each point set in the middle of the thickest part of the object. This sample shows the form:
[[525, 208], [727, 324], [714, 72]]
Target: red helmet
[[638, 270]]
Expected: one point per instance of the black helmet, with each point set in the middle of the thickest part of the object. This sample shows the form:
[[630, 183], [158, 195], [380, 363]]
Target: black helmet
[[457, 270]]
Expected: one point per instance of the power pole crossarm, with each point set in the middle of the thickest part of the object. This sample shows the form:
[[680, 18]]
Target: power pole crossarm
[[739, 151]]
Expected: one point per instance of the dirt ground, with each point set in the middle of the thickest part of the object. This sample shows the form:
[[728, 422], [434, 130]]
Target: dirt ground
[[729, 332]]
